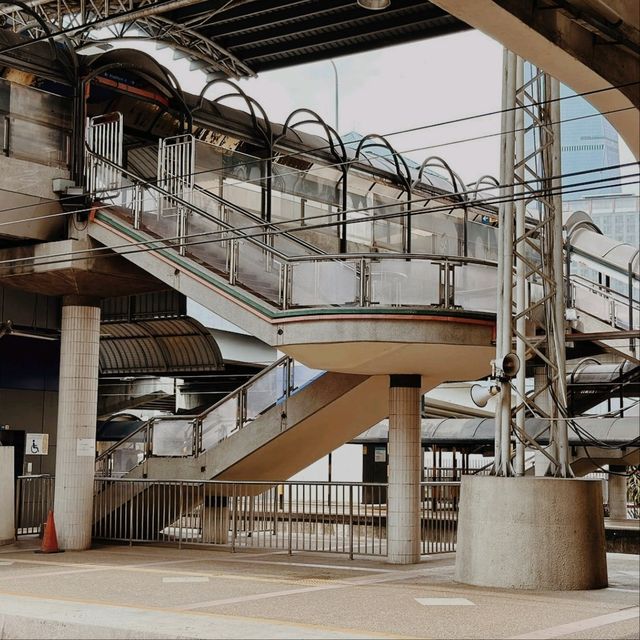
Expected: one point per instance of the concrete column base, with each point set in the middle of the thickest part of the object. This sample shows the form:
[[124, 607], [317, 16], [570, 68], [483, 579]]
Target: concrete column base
[[531, 533], [215, 520]]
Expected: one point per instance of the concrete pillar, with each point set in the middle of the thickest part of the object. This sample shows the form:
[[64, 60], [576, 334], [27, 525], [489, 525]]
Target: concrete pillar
[[7, 497], [617, 489], [531, 533], [405, 468], [214, 520], [77, 412]]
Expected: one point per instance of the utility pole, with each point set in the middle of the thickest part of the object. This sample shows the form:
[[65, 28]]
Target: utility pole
[[530, 267]]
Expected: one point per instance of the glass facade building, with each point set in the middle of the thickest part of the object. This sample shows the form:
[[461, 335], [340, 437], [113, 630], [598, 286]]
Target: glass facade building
[[587, 143]]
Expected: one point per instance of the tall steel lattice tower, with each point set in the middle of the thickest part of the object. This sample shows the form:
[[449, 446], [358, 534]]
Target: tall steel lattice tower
[[531, 286]]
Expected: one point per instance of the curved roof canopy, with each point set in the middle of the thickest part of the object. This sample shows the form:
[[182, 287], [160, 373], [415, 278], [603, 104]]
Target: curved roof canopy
[[158, 347]]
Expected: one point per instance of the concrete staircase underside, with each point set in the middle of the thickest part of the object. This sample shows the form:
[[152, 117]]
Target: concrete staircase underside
[[439, 344], [331, 410]]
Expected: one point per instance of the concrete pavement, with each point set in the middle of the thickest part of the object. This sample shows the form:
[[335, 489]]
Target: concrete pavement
[[165, 592]]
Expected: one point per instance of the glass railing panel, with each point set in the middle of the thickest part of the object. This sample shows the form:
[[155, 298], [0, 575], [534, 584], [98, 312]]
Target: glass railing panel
[[360, 232], [482, 241], [405, 282], [265, 391], [388, 235], [325, 238], [324, 283], [207, 241], [592, 303], [172, 437], [245, 197], [447, 238], [258, 270], [476, 287], [621, 314], [160, 221], [219, 423], [124, 459], [301, 375]]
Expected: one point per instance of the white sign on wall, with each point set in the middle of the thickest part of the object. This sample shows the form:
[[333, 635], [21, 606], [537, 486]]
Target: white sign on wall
[[37, 444], [86, 447]]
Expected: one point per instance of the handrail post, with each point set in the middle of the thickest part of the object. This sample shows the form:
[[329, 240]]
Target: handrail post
[[137, 205], [290, 518], [233, 260], [181, 514], [350, 521], [131, 516], [363, 296], [234, 519]]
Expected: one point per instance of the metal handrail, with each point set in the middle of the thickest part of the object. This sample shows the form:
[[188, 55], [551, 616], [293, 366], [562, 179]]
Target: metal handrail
[[278, 254], [606, 293], [184, 203], [267, 225], [245, 386], [118, 444], [197, 418]]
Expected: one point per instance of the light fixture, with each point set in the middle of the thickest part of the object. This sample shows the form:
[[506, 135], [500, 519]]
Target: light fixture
[[374, 5]]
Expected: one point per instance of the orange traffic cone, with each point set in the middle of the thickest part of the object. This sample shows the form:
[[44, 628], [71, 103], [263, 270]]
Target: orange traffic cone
[[50, 539]]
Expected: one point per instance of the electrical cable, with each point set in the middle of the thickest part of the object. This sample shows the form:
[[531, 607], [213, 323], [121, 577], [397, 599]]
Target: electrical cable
[[69, 256], [359, 209], [377, 156]]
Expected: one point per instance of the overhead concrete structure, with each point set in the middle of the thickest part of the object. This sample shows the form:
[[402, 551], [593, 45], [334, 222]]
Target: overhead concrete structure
[[589, 45]]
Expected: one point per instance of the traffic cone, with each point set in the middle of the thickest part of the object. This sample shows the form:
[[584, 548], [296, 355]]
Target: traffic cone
[[50, 539]]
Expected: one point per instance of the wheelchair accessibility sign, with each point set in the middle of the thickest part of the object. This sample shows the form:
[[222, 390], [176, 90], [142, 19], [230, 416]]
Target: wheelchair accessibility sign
[[37, 444]]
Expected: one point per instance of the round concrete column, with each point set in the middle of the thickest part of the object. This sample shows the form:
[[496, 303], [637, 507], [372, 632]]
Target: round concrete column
[[617, 490], [77, 412], [531, 533], [405, 468]]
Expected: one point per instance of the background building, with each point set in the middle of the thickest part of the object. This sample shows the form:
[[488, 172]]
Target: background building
[[588, 142]]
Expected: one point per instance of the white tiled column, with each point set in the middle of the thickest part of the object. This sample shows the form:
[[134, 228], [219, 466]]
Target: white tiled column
[[77, 412], [617, 490], [7, 497], [405, 468]]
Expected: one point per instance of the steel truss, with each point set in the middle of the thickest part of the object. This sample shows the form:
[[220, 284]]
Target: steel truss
[[118, 19], [531, 298]]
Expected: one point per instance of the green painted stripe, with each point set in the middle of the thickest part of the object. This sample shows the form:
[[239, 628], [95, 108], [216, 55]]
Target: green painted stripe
[[291, 313]]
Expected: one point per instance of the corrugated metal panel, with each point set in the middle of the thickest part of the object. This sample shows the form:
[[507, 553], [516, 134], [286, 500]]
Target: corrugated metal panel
[[158, 347], [267, 34]]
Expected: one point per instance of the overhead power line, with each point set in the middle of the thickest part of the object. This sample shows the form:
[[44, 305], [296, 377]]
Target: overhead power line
[[156, 243]]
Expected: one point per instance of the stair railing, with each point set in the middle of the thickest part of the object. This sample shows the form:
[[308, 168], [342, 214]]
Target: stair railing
[[190, 436], [327, 280]]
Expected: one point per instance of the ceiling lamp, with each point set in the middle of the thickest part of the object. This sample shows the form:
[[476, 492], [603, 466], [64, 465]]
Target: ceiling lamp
[[374, 5]]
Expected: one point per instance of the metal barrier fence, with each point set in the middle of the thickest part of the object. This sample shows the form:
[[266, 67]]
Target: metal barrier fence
[[348, 518], [34, 498], [337, 517]]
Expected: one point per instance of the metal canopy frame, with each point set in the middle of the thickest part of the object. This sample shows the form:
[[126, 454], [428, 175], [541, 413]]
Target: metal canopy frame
[[232, 38]]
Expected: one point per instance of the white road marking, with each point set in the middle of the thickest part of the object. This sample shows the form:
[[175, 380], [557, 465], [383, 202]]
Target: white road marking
[[186, 579], [620, 589], [581, 625], [5, 563], [334, 584], [444, 602]]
